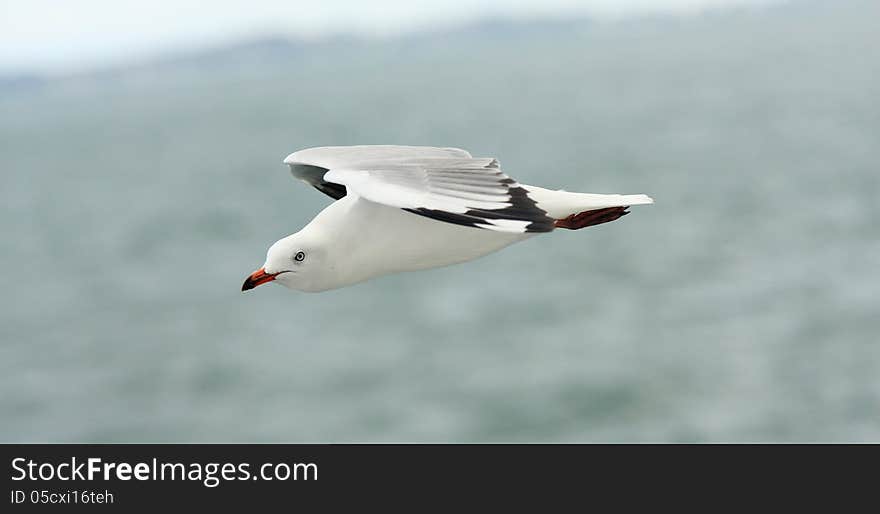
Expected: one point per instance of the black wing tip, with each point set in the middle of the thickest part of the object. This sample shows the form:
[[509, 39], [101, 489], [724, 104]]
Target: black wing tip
[[522, 208], [314, 175], [335, 191]]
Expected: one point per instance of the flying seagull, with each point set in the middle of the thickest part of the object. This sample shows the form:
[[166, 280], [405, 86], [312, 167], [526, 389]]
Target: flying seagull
[[408, 208]]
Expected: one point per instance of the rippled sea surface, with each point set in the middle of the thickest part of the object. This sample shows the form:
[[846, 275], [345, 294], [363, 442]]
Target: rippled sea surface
[[742, 306]]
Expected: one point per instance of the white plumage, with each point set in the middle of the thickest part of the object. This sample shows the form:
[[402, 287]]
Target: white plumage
[[404, 208]]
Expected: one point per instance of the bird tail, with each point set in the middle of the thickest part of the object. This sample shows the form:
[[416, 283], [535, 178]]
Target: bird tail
[[579, 210]]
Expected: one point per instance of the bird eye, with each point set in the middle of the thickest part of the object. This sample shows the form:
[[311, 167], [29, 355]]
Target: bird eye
[[299, 256]]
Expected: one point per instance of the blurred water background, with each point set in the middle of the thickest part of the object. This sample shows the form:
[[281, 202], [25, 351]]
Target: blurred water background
[[742, 306]]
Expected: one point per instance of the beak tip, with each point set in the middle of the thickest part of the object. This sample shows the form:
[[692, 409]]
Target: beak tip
[[256, 278], [249, 283]]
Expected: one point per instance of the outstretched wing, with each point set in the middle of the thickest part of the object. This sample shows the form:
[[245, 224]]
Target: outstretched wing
[[469, 192], [311, 164], [445, 184]]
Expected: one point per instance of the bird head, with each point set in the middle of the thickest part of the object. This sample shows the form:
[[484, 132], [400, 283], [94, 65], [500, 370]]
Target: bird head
[[293, 262]]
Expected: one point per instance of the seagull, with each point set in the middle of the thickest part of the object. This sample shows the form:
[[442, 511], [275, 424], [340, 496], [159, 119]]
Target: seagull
[[409, 208]]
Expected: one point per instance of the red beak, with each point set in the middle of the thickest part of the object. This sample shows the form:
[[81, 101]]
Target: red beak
[[257, 278]]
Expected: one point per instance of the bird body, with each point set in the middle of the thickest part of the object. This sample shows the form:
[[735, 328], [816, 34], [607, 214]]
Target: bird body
[[403, 208], [389, 240]]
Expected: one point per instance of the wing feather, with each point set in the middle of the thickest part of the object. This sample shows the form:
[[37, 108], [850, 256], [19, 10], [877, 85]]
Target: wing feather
[[500, 204], [445, 184]]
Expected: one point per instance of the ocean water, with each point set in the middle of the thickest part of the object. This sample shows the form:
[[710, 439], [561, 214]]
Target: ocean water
[[742, 306]]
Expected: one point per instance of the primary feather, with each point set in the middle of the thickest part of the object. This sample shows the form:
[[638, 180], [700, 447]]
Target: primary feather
[[445, 184]]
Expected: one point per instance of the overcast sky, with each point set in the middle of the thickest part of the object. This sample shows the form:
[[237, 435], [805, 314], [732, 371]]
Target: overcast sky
[[58, 35]]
